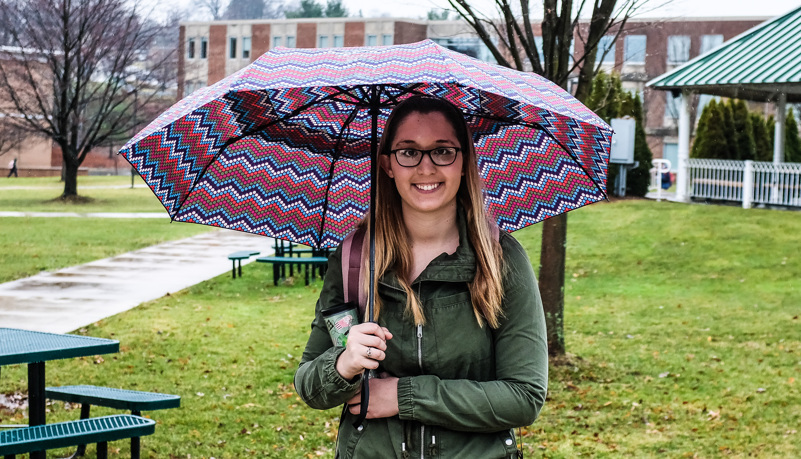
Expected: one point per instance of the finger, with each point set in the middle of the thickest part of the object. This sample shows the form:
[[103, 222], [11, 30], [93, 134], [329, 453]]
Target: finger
[[374, 353], [354, 409], [387, 333]]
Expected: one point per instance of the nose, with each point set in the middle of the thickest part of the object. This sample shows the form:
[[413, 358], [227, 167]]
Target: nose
[[426, 165]]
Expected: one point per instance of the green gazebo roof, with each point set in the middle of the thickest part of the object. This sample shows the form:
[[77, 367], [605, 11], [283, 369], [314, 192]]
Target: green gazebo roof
[[756, 65]]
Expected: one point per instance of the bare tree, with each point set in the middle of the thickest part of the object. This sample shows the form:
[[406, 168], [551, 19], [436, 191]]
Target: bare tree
[[214, 7], [11, 134], [510, 37], [76, 72]]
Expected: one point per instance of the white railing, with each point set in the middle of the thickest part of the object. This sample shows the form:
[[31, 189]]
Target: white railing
[[746, 181], [661, 166]]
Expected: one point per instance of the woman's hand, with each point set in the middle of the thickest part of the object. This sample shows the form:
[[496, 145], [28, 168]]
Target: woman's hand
[[383, 398], [367, 345]]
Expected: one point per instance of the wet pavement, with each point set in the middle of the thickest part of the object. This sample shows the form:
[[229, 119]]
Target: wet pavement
[[68, 299]]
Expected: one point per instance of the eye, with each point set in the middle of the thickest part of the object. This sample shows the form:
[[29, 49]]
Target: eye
[[408, 153], [443, 151]]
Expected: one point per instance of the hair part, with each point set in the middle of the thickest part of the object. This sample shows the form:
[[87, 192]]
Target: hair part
[[392, 245]]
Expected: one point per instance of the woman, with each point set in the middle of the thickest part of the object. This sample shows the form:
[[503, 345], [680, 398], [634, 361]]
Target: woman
[[459, 342]]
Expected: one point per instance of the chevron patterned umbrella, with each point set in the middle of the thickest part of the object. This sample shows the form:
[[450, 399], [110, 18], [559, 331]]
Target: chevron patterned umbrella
[[283, 147]]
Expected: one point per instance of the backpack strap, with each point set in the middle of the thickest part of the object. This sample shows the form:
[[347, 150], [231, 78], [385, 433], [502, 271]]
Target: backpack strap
[[351, 269]]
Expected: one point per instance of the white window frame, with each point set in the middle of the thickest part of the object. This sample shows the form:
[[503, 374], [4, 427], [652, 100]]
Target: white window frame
[[632, 56], [678, 49]]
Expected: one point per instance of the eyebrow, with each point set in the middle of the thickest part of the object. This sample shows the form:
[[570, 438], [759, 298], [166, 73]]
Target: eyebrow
[[412, 142]]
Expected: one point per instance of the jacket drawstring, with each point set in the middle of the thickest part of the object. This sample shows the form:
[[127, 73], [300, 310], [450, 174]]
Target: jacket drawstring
[[405, 441]]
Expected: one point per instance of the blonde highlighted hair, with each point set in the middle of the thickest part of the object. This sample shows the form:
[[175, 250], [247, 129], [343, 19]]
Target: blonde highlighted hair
[[392, 246]]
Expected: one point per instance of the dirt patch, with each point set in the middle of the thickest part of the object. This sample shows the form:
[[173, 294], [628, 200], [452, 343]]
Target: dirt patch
[[68, 200]]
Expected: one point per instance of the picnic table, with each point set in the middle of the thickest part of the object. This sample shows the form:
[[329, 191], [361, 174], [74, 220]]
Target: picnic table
[[34, 349]]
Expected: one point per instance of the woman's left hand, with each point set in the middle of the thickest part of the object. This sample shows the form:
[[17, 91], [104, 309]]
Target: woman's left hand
[[383, 398]]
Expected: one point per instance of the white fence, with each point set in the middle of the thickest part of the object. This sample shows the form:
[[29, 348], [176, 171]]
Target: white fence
[[746, 181]]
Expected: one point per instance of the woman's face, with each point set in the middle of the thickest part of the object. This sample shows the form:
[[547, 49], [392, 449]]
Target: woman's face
[[427, 187]]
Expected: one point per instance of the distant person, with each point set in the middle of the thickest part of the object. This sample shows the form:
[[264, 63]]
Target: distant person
[[667, 180], [13, 166]]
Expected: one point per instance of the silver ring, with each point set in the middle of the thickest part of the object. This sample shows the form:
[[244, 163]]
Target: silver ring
[[369, 351]]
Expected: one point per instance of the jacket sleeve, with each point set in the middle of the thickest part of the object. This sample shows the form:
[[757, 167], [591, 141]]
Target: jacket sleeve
[[517, 394], [317, 381]]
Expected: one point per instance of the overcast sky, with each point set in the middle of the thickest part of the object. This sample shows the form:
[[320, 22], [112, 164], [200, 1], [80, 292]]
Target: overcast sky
[[420, 8], [674, 8]]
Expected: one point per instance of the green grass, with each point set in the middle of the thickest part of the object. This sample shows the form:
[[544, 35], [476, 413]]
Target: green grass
[[682, 324], [108, 194], [31, 245]]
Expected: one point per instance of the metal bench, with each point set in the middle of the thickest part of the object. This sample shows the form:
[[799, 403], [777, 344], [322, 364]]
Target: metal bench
[[309, 263], [72, 433], [237, 257], [135, 401]]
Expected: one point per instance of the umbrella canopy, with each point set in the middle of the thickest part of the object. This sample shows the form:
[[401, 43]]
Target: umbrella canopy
[[283, 147]]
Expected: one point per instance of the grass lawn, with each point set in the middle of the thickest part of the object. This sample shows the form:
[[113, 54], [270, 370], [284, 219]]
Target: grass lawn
[[682, 323], [31, 245], [109, 194]]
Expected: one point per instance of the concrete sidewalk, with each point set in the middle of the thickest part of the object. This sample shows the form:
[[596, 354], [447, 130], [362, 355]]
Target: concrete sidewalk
[[70, 298]]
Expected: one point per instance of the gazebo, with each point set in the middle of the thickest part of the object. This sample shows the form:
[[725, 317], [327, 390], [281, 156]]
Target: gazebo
[[761, 64]]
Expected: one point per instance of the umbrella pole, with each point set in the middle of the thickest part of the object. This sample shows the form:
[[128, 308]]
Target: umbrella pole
[[374, 110]]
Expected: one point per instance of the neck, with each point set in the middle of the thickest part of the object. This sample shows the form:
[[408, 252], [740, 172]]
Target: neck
[[427, 229]]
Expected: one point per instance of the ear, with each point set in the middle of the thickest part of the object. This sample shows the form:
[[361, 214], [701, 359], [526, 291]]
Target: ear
[[383, 161]]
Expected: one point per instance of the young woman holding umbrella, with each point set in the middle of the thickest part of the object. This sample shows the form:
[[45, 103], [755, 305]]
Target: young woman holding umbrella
[[459, 341]]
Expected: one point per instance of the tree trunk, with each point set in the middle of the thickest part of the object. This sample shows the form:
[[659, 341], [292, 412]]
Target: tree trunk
[[552, 280], [70, 178]]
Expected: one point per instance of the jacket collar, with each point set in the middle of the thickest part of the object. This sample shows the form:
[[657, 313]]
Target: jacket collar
[[460, 266]]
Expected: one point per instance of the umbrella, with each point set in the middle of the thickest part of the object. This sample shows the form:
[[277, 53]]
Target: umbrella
[[284, 147]]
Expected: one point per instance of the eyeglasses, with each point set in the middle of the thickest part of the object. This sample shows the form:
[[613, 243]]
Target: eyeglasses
[[440, 156]]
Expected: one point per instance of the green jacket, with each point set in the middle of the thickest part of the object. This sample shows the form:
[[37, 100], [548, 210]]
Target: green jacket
[[462, 388]]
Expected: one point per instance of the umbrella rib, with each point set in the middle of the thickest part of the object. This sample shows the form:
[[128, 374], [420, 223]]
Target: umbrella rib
[[345, 127], [232, 140]]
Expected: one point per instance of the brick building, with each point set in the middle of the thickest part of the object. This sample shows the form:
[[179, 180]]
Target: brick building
[[643, 50]]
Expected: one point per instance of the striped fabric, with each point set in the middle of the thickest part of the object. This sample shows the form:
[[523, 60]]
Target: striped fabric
[[282, 147]]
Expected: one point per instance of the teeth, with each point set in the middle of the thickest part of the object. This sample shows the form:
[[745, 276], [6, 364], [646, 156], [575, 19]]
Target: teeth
[[427, 187]]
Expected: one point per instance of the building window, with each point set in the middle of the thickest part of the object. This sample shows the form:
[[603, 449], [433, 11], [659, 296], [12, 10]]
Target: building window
[[339, 41], [672, 107], [710, 42], [670, 151], [372, 40], [634, 49], [678, 49], [245, 47], [190, 49], [232, 47], [386, 39], [204, 48], [606, 50], [276, 42], [322, 41], [290, 41]]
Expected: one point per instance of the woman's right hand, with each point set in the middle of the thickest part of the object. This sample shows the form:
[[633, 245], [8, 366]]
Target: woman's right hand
[[366, 347]]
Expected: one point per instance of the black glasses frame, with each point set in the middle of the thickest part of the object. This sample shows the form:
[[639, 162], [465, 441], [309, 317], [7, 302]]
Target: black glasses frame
[[423, 153]]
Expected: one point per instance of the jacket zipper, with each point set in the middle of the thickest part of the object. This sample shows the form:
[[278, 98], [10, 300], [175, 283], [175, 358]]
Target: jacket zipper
[[420, 363]]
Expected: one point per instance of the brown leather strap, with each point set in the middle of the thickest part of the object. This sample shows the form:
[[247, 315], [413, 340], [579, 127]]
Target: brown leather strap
[[351, 267]]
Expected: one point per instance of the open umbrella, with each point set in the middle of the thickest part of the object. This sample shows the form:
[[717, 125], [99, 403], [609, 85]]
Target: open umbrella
[[284, 147]]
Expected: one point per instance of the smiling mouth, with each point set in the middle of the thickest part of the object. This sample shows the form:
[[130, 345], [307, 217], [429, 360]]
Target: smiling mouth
[[427, 186]]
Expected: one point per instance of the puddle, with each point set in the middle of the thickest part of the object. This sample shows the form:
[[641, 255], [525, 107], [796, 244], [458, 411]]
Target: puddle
[[13, 402], [55, 285]]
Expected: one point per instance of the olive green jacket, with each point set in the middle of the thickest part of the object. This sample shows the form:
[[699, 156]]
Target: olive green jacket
[[462, 388]]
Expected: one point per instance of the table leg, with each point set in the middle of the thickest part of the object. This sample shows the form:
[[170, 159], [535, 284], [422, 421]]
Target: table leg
[[240, 268], [233, 268], [36, 399]]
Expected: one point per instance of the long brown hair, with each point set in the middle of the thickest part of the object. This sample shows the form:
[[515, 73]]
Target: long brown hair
[[393, 249]]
